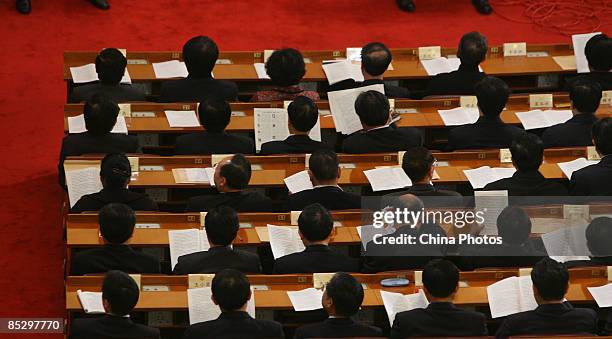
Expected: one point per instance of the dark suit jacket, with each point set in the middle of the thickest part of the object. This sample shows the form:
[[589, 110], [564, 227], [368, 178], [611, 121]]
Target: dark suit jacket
[[293, 144], [528, 184], [213, 143], [337, 328], [196, 89], [95, 201], [574, 132], [550, 319], [241, 201], [438, 320], [216, 259], [608, 328], [594, 179], [459, 82], [505, 255], [604, 78], [388, 139], [114, 257], [109, 326], [424, 190], [595, 261], [118, 93], [390, 90], [331, 197], [234, 325], [315, 259], [484, 133]]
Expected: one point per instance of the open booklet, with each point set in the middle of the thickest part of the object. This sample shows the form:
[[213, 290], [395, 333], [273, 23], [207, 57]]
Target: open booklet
[[387, 178], [579, 42], [459, 116], [511, 295], [91, 302], [567, 243], [298, 182], [397, 302], [202, 308], [568, 168], [491, 203], [284, 240], [272, 124], [306, 300], [184, 242], [602, 295], [170, 69], [76, 124], [340, 70], [182, 119], [81, 182], [481, 176], [87, 73], [342, 107]]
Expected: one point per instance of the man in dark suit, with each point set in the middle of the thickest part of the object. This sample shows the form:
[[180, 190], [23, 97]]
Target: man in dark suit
[[231, 290], [25, 6], [527, 155], [315, 228], [120, 295], [598, 52], [585, 94], [489, 131], [221, 225], [117, 223], [441, 318], [214, 114], [303, 116], [200, 55], [110, 66], [115, 174], [342, 299], [378, 134], [599, 237], [324, 171], [595, 179], [232, 176], [553, 315]]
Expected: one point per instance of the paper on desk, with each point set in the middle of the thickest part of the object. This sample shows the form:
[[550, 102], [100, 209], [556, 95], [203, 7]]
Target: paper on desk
[[481, 176], [76, 124], [367, 232], [442, 65], [566, 258], [342, 70], [87, 73], [81, 182], [200, 305], [511, 295], [602, 295], [459, 116], [284, 240], [387, 178], [298, 182], [272, 124], [397, 302], [170, 69], [541, 119], [546, 225], [342, 106], [566, 242], [579, 42], [491, 203], [190, 175], [570, 167], [91, 302], [566, 62], [184, 242], [260, 69], [306, 300], [182, 118]]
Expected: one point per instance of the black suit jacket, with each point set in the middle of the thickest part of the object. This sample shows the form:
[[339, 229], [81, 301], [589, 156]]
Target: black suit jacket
[[118, 93], [337, 328], [331, 197], [293, 144], [459, 82], [388, 139], [390, 90], [423, 190], [528, 184], [484, 133], [216, 259], [550, 319], [504, 255], [315, 259], [114, 257], [241, 201], [196, 89], [594, 179], [574, 132], [109, 326], [95, 201], [234, 325], [595, 261], [213, 143], [604, 79], [608, 328], [438, 320]]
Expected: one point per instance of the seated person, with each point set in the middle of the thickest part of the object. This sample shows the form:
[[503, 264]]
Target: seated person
[[200, 54], [214, 115], [324, 171], [232, 176], [221, 225], [286, 68], [553, 315], [110, 66], [315, 228], [599, 237], [342, 299], [303, 116], [585, 94], [100, 114], [472, 51], [595, 179], [598, 52], [378, 134], [527, 156], [441, 318], [608, 327], [231, 290], [115, 174], [117, 223], [489, 131], [120, 295]]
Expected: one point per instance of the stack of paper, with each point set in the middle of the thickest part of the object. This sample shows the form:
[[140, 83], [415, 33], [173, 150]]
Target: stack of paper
[[182, 118], [491, 203], [570, 167], [579, 42], [342, 106], [298, 182], [341, 70], [480, 177], [87, 73], [260, 69], [306, 300], [191, 175], [183, 242], [442, 65], [91, 302], [170, 69], [511, 295], [271, 124], [542, 119], [459, 116], [387, 178], [81, 182], [76, 124], [284, 241], [397, 302], [566, 242], [202, 308], [602, 295]]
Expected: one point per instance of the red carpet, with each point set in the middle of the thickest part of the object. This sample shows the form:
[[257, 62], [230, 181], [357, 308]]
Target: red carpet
[[33, 92]]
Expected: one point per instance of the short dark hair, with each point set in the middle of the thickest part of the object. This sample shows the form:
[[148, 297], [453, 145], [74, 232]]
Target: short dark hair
[[513, 225], [472, 49], [602, 135], [315, 222], [231, 289], [346, 293], [550, 278], [110, 66], [599, 236], [200, 54], [375, 58], [286, 67], [215, 114], [323, 164], [417, 162], [115, 170], [100, 114], [237, 172], [303, 113], [372, 107], [492, 94], [221, 225], [117, 222], [527, 152], [440, 277], [120, 291], [598, 51], [585, 94]]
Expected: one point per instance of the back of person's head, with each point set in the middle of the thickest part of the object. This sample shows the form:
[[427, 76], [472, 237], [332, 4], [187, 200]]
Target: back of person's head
[[585, 94], [346, 294], [230, 289], [550, 278], [602, 135], [492, 94], [117, 222], [110, 66], [527, 152], [115, 171], [375, 58], [472, 49], [409, 203], [200, 54], [286, 67], [513, 225], [100, 114], [237, 172], [315, 223], [598, 52], [599, 237], [221, 224], [215, 114], [323, 164], [372, 107], [440, 278], [417, 163], [303, 113], [120, 291]]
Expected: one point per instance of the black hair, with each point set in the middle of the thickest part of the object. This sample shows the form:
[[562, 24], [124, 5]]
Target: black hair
[[100, 114], [598, 51], [585, 94], [117, 222], [303, 113], [231, 289], [323, 164], [346, 294], [375, 58], [599, 236], [120, 291], [440, 277], [472, 49], [221, 224], [527, 152], [237, 172], [215, 114], [417, 162], [602, 135], [492, 94], [110, 66], [115, 171], [315, 223], [286, 67], [550, 278], [200, 54], [513, 225], [372, 107]]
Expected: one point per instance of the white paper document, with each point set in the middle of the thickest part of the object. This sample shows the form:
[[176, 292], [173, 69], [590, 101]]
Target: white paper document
[[260, 69], [387, 178], [191, 175], [570, 167], [81, 182], [87, 73], [91, 302], [306, 300], [481, 176], [579, 42], [342, 106], [298, 182], [459, 116], [76, 124], [541, 119], [442, 65], [566, 242], [511, 295], [342, 70], [182, 118], [284, 241], [397, 302], [602, 295], [491, 203], [184, 242], [272, 124], [170, 69], [200, 305]]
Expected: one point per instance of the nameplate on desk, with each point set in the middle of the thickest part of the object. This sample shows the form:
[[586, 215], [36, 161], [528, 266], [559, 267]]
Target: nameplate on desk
[[606, 98], [429, 52], [223, 62], [538, 54], [216, 158], [238, 114], [156, 288], [260, 287], [406, 111], [203, 218], [147, 225], [245, 225], [200, 280], [267, 53], [418, 278], [441, 164], [319, 280], [525, 272], [295, 215], [324, 112], [609, 273], [152, 168], [392, 105], [286, 103], [347, 165], [541, 100], [137, 62], [307, 159], [256, 167], [515, 49], [463, 284], [592, 153], [576, 212], [505, 156], [125, 110], [400, 157], [468, 101], [137, 278], [134, 164], [142, 114]]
